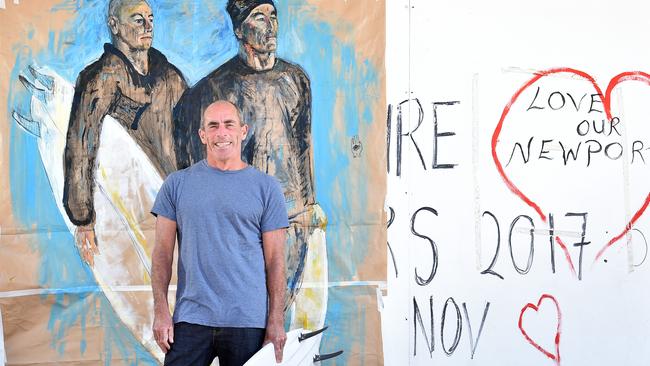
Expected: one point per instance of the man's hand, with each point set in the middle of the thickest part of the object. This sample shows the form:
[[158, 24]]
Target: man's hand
[[86, 243], [275, 334], [311, 216], [163, 330]]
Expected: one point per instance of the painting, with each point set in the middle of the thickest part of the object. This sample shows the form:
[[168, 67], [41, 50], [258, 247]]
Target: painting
[[103, 100]]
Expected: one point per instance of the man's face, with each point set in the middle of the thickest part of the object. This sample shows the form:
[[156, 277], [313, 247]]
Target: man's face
[[260, 29], [134, 25], [222, 132]]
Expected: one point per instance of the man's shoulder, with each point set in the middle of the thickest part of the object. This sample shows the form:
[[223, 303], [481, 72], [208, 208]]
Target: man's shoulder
[[294, 70], [211, 87], [264, 180], [173, 178], [158, 59], [180, 174], [288, 66], [256, 173], [108, 67], [190, 170], [177, 179], [106, 64], [223, 73]]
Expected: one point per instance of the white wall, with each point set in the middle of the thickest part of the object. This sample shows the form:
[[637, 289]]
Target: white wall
[[478, 54]]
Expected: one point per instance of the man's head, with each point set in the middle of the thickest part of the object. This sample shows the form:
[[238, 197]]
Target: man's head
[[222, 131], [131, 23], [255, 23]]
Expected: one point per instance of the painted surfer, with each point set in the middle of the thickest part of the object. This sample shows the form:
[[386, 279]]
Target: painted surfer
[[135, 84], [274, 97]]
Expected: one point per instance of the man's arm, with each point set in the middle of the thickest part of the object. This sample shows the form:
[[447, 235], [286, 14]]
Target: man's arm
[[302, 132], [161, 273], [273, 243], [186, 123], [92, 99]]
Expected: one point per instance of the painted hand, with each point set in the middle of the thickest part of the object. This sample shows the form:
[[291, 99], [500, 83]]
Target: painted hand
[[311, 216], [275, 334], [163, 330], [86, 243]]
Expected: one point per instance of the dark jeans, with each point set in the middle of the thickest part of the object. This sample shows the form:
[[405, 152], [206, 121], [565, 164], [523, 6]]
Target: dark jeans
[[199, 345]]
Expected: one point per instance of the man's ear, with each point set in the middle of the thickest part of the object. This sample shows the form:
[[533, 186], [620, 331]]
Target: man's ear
[[112, 25], [238, 33], [202, 136], [244, 131]]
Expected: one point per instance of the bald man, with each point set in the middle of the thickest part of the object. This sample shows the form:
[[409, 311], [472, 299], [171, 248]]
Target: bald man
[[230, 220], [133, 83]]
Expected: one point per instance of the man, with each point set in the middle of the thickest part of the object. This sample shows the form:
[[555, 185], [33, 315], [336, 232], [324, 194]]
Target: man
[[133, 83], [274, 97], [230, 220]]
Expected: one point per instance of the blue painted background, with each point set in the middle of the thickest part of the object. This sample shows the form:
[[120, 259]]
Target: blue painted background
[[197, 37]]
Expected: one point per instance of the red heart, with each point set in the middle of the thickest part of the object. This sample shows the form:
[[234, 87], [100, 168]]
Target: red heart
[[554, 356], [626, 76]]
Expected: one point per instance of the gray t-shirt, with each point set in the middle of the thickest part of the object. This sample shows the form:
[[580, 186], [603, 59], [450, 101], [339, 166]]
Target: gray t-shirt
[[220, 217]]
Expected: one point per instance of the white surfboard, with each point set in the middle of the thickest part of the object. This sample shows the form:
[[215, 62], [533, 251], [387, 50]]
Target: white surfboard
[[127, 184], [300, 349]]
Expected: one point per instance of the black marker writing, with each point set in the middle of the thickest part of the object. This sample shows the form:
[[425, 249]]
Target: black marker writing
[[432, 244], [556, 100], [459, 327], [392, 255], [400, 134], [435, 164], [446, 322], [417, 319], [531, 252], [490, 270], [582, 242], [474, 343]]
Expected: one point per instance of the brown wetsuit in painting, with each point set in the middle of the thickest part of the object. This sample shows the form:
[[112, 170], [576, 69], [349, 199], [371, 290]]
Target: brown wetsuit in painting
[[143, 104]]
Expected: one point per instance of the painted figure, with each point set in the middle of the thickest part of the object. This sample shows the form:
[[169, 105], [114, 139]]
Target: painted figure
[[274, 97], [136, 85], [231, 221]]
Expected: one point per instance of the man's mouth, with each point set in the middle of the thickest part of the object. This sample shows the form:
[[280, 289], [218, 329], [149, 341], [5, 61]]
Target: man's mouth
[[222, 145]]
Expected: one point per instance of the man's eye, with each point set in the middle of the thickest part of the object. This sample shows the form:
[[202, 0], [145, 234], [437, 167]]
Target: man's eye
[[139, 21]]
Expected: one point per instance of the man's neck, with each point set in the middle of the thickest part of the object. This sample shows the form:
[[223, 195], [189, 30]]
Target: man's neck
[[232, 164], [255, 60], [139, 58]]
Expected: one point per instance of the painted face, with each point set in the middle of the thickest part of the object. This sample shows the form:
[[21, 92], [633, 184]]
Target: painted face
[[260, 29], [222, 132], [134, 26]]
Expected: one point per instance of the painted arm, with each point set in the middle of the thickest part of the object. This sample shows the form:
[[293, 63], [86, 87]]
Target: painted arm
[[273, 243], [187, 121], [161, 273], [302, 132], [91, 102]]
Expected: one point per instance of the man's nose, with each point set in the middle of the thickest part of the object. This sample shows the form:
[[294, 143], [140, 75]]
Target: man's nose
[[148, 25], [271, 26], [222, 130]]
